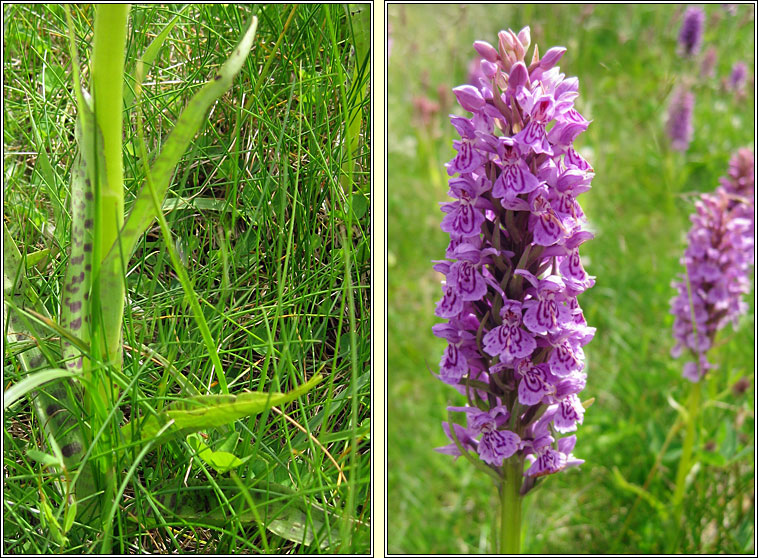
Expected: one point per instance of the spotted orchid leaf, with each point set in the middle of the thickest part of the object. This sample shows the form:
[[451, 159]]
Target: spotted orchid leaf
[[189, 123]]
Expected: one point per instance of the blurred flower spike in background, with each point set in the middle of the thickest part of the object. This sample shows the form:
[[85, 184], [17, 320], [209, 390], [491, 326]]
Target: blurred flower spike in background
[[717, 262], [679, 125], [691, 32], [738, 77]]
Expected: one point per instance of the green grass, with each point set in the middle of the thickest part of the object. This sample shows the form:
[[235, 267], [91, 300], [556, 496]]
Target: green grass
[[272, 224], [625, 59]]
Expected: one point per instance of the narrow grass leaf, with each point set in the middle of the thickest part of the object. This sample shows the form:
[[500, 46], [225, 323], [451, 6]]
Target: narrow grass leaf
[[151, 52]]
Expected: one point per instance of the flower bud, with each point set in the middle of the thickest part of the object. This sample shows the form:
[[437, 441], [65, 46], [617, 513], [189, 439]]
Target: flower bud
[[551, 57], [486, 50], [524, 36], [469, 97], [518, 76]]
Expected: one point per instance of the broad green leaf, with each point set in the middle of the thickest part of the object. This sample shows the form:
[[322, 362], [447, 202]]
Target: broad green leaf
[[186, 127], [230, 442], [61, 429], [54, 78], [208, 411], [31, 382], [202, 204], [361, 26], [47, 177], [360, 205], [221, 461], [35, 258], [77, 280]]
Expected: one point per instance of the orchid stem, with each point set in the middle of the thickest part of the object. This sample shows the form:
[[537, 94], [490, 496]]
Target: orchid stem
[[510, 506]]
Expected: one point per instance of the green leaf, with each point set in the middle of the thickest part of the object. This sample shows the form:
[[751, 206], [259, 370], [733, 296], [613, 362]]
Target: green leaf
[[54, 78], [360, 205], [361, 24], [44, 458], [282, 510], [208, 411], [221, 461], [292, 523], [37, 257], [186, 127], [70, 515], [31, 382], [230, 442], [52, 523]]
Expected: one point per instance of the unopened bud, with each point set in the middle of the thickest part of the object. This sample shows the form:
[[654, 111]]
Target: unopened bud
[[551, 57], [469, 97], [486, 50], [525, 37]]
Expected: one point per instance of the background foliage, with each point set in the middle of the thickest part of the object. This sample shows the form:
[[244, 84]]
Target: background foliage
[[276, 245], [625, 59]]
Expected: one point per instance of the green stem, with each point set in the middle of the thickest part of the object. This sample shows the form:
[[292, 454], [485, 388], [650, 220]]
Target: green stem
[[510, 506], [685, 465], [108, 55], [693, 409]]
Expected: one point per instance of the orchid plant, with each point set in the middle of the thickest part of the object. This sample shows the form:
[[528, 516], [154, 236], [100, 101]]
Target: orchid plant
[[515, 330], [89, 453]]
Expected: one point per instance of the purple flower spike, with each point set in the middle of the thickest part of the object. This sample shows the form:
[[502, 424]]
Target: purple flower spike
[[691, 32], [738, 77], [515, 332], [679, 125], [717, 263]]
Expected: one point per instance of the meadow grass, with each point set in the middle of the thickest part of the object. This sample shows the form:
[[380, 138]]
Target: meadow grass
[[273, 227], [625, 59]]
